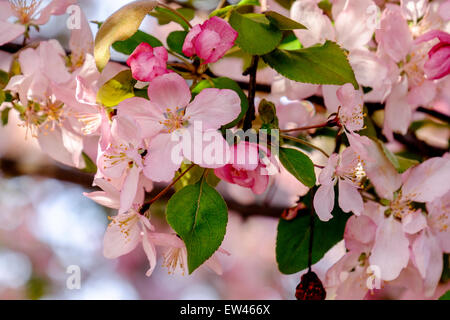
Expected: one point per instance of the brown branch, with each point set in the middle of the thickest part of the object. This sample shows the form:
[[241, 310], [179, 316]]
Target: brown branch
[[10, 168]]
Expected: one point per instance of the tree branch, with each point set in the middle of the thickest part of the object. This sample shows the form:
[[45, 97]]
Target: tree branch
[[11, 168]]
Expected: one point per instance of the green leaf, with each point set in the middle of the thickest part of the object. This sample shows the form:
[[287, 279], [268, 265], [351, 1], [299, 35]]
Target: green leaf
[[290, 42], [5, 113], [222, 12], [117, 89], [445, 296], [293, 240], [282, 22], [193, 176], [325, 64], [175, 41], [90, 166], [4, 79], [299, 165], [120, 26], [225, 83], [128, 46], [285, 3], [165, 16], [405, 163], [198, 214], [257, 35]]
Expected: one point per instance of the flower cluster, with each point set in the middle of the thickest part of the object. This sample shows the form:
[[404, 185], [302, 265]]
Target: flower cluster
[[165, 112]]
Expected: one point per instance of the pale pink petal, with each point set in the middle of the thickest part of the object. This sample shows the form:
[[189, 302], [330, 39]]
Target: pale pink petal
[[54, 8], [414, 222], [122, 235], [81, 40], [414, 9], [129, 189], [330, 97], [10, 31], [423, 94], [428, 181], [391, 250], [188, 45], [353, 25], [319, 27], [428, 258], [260, 181], [245, 155], [51, 142], [103, 199], [125, 129], [350, 199], [398, 112], [393, 36], [213, 263], [444, 10], [327, 174], [147, 115], [214, 107], [150, 252], [207, 148], [169, 91], [439, 220], [160, 163], [55, 70], [165, 239], [368, 67], [29, 61], [359, 233], [324, 201]]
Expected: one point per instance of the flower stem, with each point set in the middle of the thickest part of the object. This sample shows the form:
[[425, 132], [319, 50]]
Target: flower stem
[[175, 12], [166, 189], [306, 143], [250, 115], [322, 125]]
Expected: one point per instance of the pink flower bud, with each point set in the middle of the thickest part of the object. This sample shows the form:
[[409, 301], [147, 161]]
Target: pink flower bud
[[210, 40], [438, 64], [147, 63]]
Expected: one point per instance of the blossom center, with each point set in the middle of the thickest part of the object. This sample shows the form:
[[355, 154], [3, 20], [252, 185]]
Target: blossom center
[[174, 120], [25, 9], [174, 258]]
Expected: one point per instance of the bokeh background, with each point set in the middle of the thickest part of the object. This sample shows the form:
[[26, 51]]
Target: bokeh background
[[47, 225]]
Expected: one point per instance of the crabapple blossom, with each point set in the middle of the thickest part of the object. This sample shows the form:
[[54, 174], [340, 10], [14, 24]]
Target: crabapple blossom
[[348, 171], [125, 232], [210, 40], [147, 62], [246, 168], [27, 12], [169, 112], [122, 159], [438, 64]]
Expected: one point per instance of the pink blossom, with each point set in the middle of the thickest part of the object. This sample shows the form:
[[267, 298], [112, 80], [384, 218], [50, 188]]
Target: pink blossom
[[125, 232], [351, 107], [210, 40], [319, 27], [122, 159], [175, 256], [147, 62], [169, 116], [246, 168], [27, 13], [394, 37], [377, 166], [347, 169], [438, 64]]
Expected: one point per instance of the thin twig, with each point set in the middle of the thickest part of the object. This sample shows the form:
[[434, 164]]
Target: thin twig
[[306, 143], [250, 115]]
